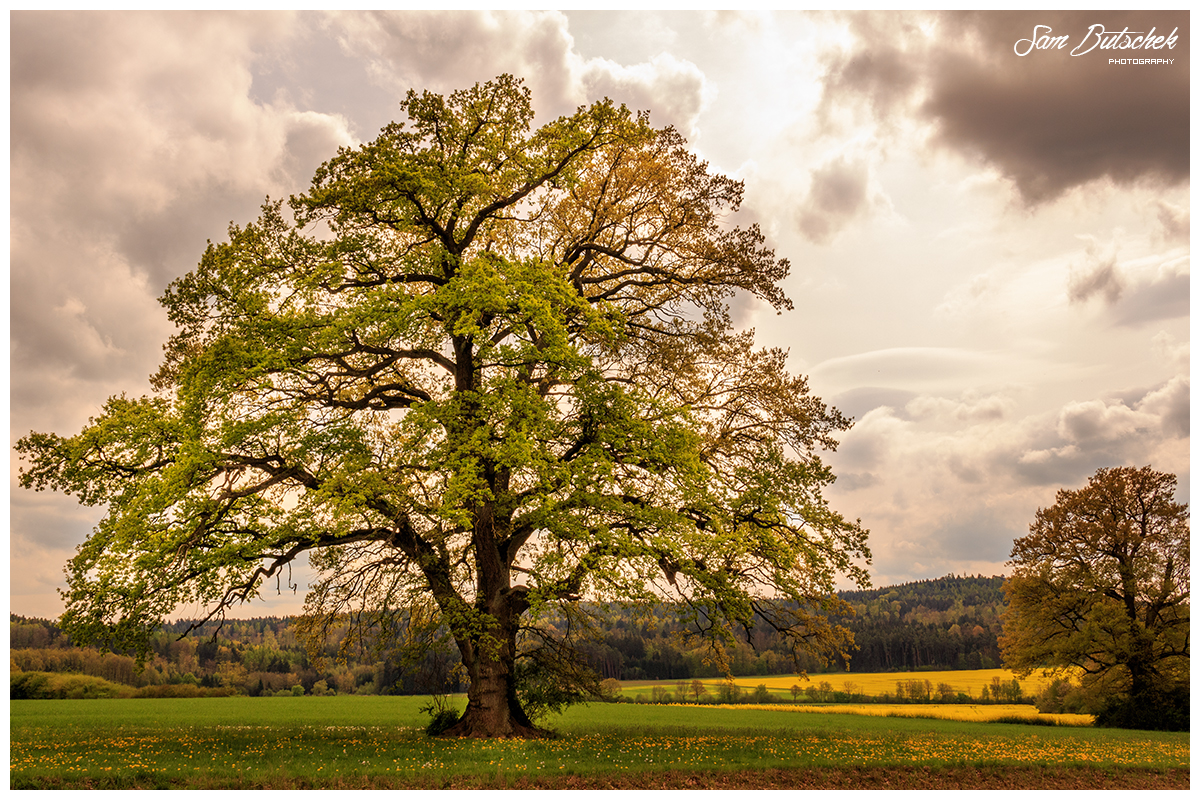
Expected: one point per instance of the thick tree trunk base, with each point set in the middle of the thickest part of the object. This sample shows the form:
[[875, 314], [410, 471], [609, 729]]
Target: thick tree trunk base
[[479, 726]]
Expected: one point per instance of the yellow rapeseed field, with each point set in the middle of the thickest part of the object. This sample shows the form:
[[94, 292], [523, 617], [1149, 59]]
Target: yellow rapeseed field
[[970, 681]]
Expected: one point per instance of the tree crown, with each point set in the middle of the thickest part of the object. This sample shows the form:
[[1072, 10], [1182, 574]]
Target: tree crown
[[485, 371]]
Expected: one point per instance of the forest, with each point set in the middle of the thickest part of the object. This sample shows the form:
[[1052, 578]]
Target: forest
[[945, 623]]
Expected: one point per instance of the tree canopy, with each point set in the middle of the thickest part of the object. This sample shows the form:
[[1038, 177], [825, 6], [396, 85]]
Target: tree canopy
[[486, 371], [1102, 585]]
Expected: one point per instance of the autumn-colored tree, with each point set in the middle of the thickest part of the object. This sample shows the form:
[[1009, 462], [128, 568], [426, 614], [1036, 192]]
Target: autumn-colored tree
[[1102, 585], [486, 373]]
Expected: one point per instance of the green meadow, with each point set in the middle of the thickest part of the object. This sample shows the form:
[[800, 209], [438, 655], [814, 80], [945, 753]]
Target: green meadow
[[379, 742]]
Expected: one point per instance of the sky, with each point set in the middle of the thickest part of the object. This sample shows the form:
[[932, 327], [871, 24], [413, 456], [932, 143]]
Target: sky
[[988, 224]]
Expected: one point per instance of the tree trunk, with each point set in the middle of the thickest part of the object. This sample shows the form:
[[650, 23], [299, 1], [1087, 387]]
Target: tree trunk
[[492, 706], [493, 709]]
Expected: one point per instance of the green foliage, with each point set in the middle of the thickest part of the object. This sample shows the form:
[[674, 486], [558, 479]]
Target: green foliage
[[1064, 696]]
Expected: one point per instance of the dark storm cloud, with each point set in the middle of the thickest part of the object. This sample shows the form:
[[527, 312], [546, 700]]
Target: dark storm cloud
[[1051, 121], [1048, 121]]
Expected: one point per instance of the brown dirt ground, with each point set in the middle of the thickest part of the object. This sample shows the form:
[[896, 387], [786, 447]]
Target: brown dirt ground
[[887, 778]]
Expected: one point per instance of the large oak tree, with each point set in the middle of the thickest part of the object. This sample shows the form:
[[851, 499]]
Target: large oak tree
[[1102, 586], [484, 374]]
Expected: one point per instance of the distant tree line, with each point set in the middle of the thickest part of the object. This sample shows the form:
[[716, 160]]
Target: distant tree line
[[948, 623], [944, 624]]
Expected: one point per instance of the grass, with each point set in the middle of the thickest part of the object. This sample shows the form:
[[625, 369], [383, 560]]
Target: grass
[[368, 742]]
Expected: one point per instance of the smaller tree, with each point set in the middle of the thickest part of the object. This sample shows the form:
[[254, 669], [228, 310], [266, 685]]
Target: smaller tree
[[610, 689], [698, 689], [1101, 585]]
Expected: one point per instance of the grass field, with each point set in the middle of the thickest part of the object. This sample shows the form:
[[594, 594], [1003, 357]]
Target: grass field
[[377, 742]]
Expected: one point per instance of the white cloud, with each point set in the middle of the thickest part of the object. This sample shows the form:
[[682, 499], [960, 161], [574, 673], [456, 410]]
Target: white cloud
[[972, 406], [447, 50]]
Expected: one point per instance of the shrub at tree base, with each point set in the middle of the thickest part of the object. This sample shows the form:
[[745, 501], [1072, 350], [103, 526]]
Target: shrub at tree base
[[1162, 710], [442, 721]]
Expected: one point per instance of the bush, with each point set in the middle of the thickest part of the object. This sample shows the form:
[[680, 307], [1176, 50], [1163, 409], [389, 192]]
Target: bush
[[610, 689], [50, 686], [28, 685], [1062, 697], [441, 721], [1153, 710]]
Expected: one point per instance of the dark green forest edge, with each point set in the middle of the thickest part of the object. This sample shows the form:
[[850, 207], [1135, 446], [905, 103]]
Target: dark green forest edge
[[941, 624]]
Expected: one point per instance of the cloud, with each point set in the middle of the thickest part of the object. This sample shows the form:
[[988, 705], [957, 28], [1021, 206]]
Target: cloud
[[1047, 121], [1175, 354], [837, 195], [973, 534], [1171, 404], [954, 479], [1101, 279], [1089, 434], [857, 402], [134, 139], [1176, 221], [972, 406], [1162, 295], [1050, 121], [1150, 289], [909, 368], [446, 50]]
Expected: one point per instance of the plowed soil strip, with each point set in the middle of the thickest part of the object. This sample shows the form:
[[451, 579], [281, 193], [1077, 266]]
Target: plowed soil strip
[[998, 777]]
